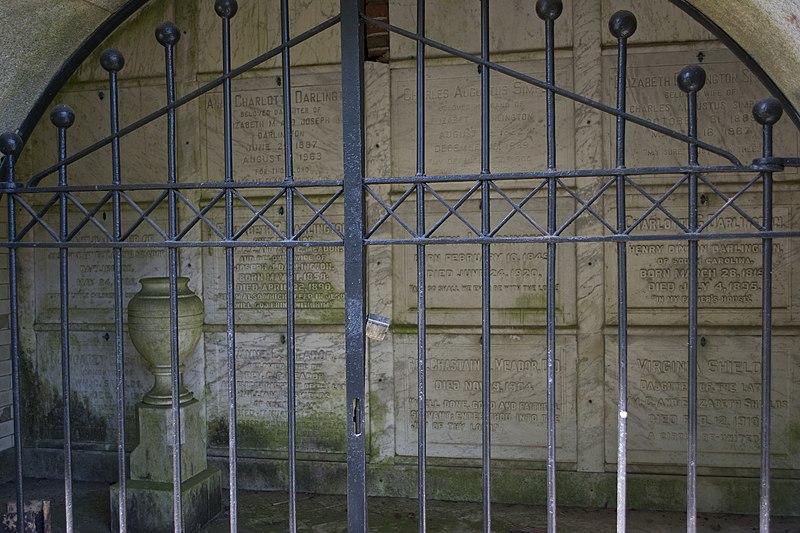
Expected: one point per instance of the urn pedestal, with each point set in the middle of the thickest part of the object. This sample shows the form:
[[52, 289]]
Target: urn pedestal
[[150, 487]]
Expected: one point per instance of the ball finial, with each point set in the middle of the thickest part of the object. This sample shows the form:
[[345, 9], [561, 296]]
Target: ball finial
[[226, 8], [62, 116], [10, 144], [112, 60], [549, 9], [168, 34], [767, 111], [691, 79], [622, 24]]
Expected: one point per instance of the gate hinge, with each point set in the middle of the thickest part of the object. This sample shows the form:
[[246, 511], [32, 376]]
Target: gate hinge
[[776, 163]]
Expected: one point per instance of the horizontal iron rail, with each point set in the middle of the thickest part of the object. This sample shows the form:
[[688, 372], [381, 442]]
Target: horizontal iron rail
[[557, 90], [412, 240], [444, 178], [178, 102]]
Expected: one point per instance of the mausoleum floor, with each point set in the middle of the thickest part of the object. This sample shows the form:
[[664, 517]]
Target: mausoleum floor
[[266, 512]]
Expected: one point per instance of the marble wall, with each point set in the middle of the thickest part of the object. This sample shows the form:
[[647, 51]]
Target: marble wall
[[586, 317]]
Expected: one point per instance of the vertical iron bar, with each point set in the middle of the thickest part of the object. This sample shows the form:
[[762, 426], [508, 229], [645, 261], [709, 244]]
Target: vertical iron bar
[[422, 375], [622, 26], [168, 35], [766, 340], [486, 282], [690, 80], [766, 112], [549, 11], [352, 34], [63, 117], [291, 349], [113, 61], [226, 9], [11, 146], [692, 463]]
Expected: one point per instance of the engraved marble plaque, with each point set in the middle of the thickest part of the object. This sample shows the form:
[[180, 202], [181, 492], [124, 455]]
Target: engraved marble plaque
[[262, 391], [724, 109], [729, 270], [91, 270], [259, 273], [518, 136], [93, 386], [519, 400], [453, 272], [729, 400], [258, 152]]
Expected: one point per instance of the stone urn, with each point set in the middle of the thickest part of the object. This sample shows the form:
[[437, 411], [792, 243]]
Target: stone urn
[[149, 328]]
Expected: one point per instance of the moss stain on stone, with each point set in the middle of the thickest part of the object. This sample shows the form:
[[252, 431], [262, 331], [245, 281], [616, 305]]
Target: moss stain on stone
[[793, 437], [312, 434], [377, 419], [43, 412]]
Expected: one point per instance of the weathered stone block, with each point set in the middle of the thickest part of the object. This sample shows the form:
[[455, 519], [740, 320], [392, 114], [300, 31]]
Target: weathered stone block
[[149, 503], [151, 460]]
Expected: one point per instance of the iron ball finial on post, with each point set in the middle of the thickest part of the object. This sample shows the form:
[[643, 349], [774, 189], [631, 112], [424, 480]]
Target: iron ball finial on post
[[549, 9], [10, 144], [168, 34], [226, 8], [622, 24], [767, 111], [691, 79], [112, 60], [62, 116]]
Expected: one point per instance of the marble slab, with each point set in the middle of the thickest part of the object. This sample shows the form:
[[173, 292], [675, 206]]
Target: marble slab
[[259, 273], [91, 270], [256, 28], [724, 108], [519, 400], [651, 26], [258, 153], [514, 26], [729, 400], [91, 106], [518, 136], [729, 270], [261, 373], [93, 387], [453, 271]]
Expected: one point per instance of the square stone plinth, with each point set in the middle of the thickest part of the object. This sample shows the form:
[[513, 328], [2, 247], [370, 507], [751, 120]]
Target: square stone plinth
[[149, 503], [151, 460]]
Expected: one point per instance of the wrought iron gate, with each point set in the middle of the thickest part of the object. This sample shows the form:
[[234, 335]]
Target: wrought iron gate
[[420, 231]]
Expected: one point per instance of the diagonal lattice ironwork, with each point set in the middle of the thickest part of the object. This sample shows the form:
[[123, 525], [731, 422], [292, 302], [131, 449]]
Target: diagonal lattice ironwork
[[452, 210], [89, 216], [200, 215], [657, 204], [319, 214], [144, 215], [37, 217], [391, 212], [585, 206], [730, 202], [517, 208], [258, 214]]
